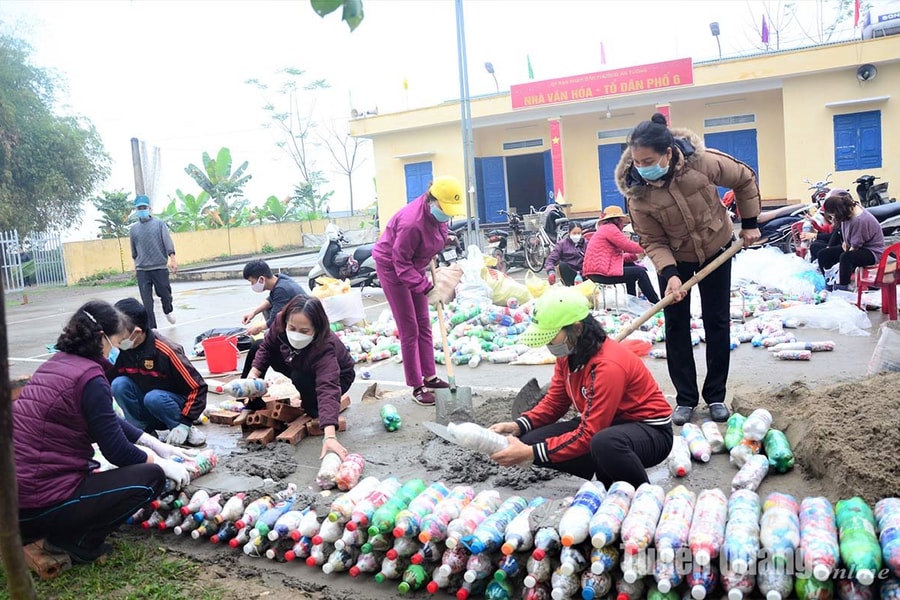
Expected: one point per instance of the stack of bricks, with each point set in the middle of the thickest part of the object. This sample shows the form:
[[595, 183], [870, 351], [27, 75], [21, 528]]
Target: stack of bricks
[[277, 421]]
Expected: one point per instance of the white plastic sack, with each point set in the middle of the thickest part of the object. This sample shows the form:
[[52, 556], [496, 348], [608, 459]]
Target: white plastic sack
[[345, 308], [834, 314], [472, 288], [886, 356], [772, 269]]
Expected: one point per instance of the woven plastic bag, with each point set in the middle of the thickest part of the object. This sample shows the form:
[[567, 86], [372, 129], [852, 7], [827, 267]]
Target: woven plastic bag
[[886, 356]]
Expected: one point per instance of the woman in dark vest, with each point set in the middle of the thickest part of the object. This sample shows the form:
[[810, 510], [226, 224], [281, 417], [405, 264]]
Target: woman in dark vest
[[64, 408]]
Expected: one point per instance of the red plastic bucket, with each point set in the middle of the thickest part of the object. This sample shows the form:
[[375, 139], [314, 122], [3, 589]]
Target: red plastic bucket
[[221, 354]]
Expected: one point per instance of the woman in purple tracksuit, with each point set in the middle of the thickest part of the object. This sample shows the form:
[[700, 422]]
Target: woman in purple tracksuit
[[863, 238], [413, 236]]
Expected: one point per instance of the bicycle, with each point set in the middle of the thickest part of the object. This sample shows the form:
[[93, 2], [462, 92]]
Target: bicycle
[[530, 250]]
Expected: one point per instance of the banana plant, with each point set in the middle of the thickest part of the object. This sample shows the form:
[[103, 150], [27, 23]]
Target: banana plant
[[278, 211], [222, 184], [187, 212]]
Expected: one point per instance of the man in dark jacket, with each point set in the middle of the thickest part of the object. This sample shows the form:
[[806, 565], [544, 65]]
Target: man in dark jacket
[[155, 384]]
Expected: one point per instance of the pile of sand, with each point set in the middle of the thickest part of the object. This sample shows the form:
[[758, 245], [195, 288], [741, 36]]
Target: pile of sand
[[846, 434]]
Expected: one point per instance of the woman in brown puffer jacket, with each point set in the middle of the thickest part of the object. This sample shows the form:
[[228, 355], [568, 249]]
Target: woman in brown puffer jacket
[[669, 179]]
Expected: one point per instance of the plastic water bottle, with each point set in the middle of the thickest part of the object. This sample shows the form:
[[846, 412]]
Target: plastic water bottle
[[778, 449], [818, 538], [859, 547], [434, 526], [351, 539], [751, 474], [810, 588], [453, 561], [233, 509], [365, 563], [404, 547], [734, 430], [365, 508], [699, 447], [574, 525], [476, 437], [674, 523], [488, 536], [546, 535], [679, 461], [563, 586], [196, 501], [657, 594], [639, 525], [485, 503], [414, 578], [741, 545], [390, 418], [595, 585], [350, 471], [246, 388], [519, 533], [743, 451], [267, 520], [604, 560], [340, 560], [890, 589], [807, 227], [702, 580], [328, 470], [779, 527], [342, 507], [499, 590], [384, 516], [637, 566], [708, 526], [606, 523], [508, 567], [774, 581], [630, 590], [377, 544], [572, 560], [539, 571], [738, 586], [887, 513], [391, 569], [667, 576], [478, 566], [757, 424], [408, 519], [713, 436], [850, 589], [285, 524], [429, 552]]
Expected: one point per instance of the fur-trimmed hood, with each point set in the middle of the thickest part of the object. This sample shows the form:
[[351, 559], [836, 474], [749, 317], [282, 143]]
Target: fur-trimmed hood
[[689, 146]]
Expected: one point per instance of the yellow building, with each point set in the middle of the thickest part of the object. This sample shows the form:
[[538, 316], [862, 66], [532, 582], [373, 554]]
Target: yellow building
[[790, 115]]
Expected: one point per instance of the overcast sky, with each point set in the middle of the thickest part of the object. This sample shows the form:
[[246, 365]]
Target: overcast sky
[[172, 72]]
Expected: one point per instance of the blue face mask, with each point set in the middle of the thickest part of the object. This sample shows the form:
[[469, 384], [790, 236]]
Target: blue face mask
[[653, 172], [438, 214], [143, 213]]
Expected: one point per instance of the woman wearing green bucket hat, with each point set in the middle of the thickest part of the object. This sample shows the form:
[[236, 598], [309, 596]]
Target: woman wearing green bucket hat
[[624, 423]]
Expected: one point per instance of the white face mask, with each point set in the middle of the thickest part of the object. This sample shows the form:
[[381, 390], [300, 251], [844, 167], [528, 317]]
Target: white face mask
[[559, 350], [126, 344], [260, 286], [297, 340], [575, 237]]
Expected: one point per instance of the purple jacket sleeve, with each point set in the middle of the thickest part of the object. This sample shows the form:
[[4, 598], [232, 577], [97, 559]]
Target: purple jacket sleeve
[[270, 346], [328, 386], [114, 436], [407, 241], [553, 259]]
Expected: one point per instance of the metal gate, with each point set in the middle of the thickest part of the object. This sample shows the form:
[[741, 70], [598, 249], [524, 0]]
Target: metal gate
[[11, 261], [34, 260], [47, 253]]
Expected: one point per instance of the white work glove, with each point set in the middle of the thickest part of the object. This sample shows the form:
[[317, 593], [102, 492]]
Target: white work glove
[[434, 296], [179, 435], [177, 472], [164, 450]]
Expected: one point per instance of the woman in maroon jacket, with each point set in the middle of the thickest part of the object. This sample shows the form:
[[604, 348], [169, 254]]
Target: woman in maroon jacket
[[609, 250], [301, 345]]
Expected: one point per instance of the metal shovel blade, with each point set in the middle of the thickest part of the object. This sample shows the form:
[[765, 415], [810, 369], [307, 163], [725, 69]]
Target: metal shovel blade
[[454, 406], [440, 431]]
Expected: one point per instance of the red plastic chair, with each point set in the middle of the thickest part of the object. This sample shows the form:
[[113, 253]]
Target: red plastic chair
[[885, 276]]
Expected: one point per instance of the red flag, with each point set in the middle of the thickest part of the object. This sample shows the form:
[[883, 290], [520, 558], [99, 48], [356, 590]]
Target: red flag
[[765, 31], [603, 53], [855, 13]]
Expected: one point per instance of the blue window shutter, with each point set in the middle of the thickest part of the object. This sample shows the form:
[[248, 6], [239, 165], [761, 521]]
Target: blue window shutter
[[870, 140], [846, 139]]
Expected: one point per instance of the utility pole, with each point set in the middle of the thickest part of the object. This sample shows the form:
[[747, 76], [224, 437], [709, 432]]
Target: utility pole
[[138, 170], [468, 144]]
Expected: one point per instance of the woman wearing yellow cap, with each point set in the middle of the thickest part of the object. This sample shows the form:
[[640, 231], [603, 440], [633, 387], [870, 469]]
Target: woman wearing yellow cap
[[624, 422], [410, 241]]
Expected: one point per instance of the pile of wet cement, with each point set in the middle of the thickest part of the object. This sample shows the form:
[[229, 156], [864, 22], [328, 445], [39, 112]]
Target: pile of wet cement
[[845, 434], [273, 461]]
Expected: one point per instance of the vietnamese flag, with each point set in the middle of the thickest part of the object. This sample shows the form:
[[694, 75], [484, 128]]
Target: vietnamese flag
[[855, 13]]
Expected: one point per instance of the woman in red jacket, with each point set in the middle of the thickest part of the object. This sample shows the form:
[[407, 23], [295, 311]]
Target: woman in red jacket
[[624, 422], [608, 252]]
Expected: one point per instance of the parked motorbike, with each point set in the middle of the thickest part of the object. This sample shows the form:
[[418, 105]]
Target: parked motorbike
[[870, 193], [358, 267], [528, 250], [455, 248]]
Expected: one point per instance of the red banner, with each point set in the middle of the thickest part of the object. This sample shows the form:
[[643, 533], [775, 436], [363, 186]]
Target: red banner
[[663, 109], [556, 159], [616, 82]]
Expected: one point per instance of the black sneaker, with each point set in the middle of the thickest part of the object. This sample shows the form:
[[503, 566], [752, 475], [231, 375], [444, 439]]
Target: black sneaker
[[682, 415], [79, 554], [718, 412]]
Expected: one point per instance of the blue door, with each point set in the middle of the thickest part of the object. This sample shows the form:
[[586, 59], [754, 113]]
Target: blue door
[[739, 144], [609, 155], [490, 183], [418, 177], [548, 176]]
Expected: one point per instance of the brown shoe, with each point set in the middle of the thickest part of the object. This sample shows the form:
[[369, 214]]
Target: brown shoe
[[423, 397]]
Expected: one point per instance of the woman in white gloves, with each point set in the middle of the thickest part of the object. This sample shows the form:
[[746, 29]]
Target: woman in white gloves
[[60, 413]]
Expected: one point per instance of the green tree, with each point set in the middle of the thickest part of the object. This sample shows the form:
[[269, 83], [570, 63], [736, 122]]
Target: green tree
[[49, 164], [187, 212], [352, 13], [309, 199], [224, 186], [294, 125], [115, 211]]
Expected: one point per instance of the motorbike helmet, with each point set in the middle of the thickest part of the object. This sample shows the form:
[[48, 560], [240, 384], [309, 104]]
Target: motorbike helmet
[[333, 232], [449, 193]]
